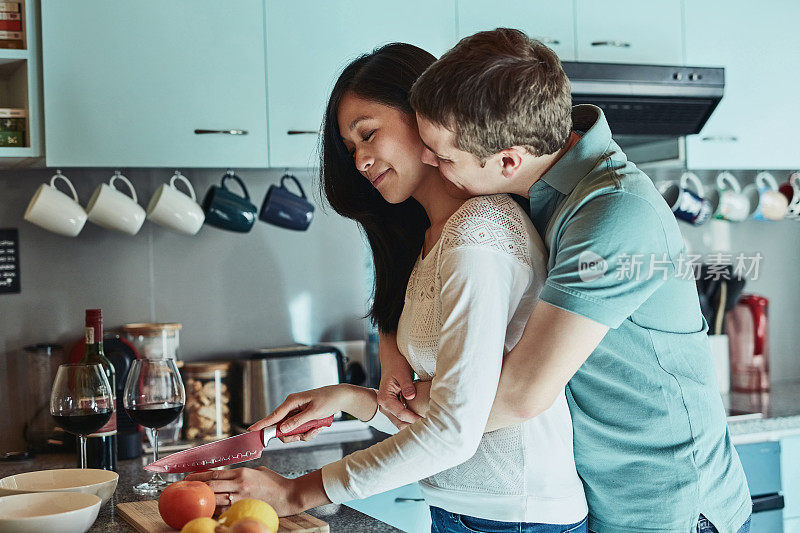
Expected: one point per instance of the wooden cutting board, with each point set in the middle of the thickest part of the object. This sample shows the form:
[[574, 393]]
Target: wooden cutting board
[[144, 517]]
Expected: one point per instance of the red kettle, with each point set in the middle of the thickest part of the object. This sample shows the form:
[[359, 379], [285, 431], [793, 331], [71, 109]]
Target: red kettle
[[748, 333]]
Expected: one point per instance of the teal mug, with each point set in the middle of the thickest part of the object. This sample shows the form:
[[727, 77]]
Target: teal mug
[[226, 210]]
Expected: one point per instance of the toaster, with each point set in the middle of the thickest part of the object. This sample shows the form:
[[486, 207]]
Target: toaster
[[264, 378]]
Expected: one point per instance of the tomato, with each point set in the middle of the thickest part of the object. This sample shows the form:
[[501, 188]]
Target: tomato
[[184, 501]]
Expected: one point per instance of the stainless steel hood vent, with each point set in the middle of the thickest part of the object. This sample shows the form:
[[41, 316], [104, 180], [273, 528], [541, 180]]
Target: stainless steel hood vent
[[651, 101]]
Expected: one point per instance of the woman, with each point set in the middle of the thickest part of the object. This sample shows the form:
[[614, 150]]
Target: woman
[[456, 280]]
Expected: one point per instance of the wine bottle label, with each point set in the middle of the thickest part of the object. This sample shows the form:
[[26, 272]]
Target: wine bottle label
[[111, 426], [89, 335]]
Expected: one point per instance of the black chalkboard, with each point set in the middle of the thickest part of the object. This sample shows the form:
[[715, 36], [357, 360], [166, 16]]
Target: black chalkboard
[[9, 261]]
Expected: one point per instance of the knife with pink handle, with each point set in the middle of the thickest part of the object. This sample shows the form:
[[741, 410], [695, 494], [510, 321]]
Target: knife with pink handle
[[232, 450]]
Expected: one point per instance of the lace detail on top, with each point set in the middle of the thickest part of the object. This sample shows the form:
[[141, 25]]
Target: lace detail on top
[[495, 222]]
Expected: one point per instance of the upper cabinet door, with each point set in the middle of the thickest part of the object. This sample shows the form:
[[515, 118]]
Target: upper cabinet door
[[308, 44], [127, 84], [755, 124], [550, 21], [630, 31]]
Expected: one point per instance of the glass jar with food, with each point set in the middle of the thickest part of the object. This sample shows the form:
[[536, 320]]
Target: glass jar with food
[[207, 410], [154, 340]]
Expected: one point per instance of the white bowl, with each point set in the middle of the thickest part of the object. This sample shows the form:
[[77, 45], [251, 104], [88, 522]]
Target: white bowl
[[101, 483], [51, 512]]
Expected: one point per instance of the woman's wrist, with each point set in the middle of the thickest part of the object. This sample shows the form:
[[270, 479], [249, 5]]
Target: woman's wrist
[[360, 402], [306, 492]]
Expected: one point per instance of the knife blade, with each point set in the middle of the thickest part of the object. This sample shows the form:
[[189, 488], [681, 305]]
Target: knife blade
[[232, 450]]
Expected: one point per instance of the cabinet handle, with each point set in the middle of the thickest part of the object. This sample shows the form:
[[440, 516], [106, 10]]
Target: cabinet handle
[[225, 132], [303, 132], [616, 44], [549, 40], [720, 138], [400, 500]]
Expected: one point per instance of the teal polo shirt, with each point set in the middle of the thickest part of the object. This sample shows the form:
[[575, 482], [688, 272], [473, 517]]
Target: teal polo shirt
[[651, 441]]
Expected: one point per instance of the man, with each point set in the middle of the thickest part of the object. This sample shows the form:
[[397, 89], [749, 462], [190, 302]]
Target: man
[[618, 322]]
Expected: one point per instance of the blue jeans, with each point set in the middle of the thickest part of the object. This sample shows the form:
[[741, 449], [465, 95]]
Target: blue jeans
[[445, 522], [704, 526]]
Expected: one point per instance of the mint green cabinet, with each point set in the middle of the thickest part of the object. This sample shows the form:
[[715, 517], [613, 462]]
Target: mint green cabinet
[[755, 124], [550, 21], [127, 83], [790, 477], [630, 31], [308, 44]]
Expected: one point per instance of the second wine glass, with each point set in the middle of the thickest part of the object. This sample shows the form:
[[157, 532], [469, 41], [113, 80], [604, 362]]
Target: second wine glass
[[153, 397]]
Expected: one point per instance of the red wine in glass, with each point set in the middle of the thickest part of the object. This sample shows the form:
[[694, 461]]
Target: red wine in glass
[[154, 397], [81, 401], [82, 421], [155, 416]]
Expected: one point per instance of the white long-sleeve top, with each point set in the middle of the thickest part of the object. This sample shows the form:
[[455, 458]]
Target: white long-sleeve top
[[466, 305]]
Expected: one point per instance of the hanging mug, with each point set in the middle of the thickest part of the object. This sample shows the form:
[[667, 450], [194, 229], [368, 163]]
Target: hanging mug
[[55, 211], [791, 190], [285, 209], [115, 210], [175, 210], [227, 210], [727, 201], [766, 203], [687, 205]]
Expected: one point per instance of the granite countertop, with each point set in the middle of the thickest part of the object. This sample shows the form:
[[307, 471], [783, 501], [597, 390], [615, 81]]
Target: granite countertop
[[291, 463], [779, 408]]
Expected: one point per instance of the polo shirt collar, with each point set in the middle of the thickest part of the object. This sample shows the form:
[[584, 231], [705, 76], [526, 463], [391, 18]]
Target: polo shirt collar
[[581, 158]]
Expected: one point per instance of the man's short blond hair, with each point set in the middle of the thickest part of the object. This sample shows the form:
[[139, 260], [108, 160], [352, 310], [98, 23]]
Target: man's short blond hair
[[497, 89]]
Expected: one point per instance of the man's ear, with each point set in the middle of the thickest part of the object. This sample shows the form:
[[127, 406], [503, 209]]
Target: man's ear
[[510, 161]]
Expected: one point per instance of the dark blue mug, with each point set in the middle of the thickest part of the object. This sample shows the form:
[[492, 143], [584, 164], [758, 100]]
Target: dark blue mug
[[285, 209], [226, 210], [687, 205]]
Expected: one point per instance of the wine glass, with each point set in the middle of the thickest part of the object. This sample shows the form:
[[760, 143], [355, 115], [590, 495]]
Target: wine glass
[[81, 401], [153, 397]]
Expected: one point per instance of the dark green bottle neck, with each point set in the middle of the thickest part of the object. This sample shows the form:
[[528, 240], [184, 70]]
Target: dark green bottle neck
[[94, 355]]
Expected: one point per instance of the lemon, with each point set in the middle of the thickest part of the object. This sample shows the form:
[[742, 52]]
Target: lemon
[[200, 525], [251, 508]]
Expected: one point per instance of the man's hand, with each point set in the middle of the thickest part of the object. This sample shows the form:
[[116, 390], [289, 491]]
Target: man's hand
[[397, 381]]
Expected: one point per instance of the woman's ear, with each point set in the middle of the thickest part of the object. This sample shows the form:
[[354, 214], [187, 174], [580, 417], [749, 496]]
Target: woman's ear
[[510, 161]]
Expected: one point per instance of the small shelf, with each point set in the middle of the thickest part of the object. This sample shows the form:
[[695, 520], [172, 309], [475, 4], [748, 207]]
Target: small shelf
[[9, 55]]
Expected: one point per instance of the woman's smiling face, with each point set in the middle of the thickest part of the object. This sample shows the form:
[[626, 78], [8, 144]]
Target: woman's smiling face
[[385, 146]]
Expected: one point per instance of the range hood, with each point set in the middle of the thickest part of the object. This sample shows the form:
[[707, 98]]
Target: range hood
[[648, 107]]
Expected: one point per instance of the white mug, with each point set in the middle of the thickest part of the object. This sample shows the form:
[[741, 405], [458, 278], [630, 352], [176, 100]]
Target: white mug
[[727, 200], [173, 209], [766, 203], [791, 190], [114, 210], [54, 211]]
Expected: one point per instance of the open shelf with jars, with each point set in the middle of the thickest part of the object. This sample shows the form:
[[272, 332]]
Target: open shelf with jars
[[20, 87]]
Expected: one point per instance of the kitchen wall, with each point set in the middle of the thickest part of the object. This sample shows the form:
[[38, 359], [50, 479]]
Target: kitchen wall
[[232, 292], [779, 270]]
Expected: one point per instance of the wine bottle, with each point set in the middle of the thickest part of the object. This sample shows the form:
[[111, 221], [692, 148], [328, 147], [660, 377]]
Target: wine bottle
[[101, 446]]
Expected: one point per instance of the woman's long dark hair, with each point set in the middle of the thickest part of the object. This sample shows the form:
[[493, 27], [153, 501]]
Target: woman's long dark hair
[[395, 232]]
